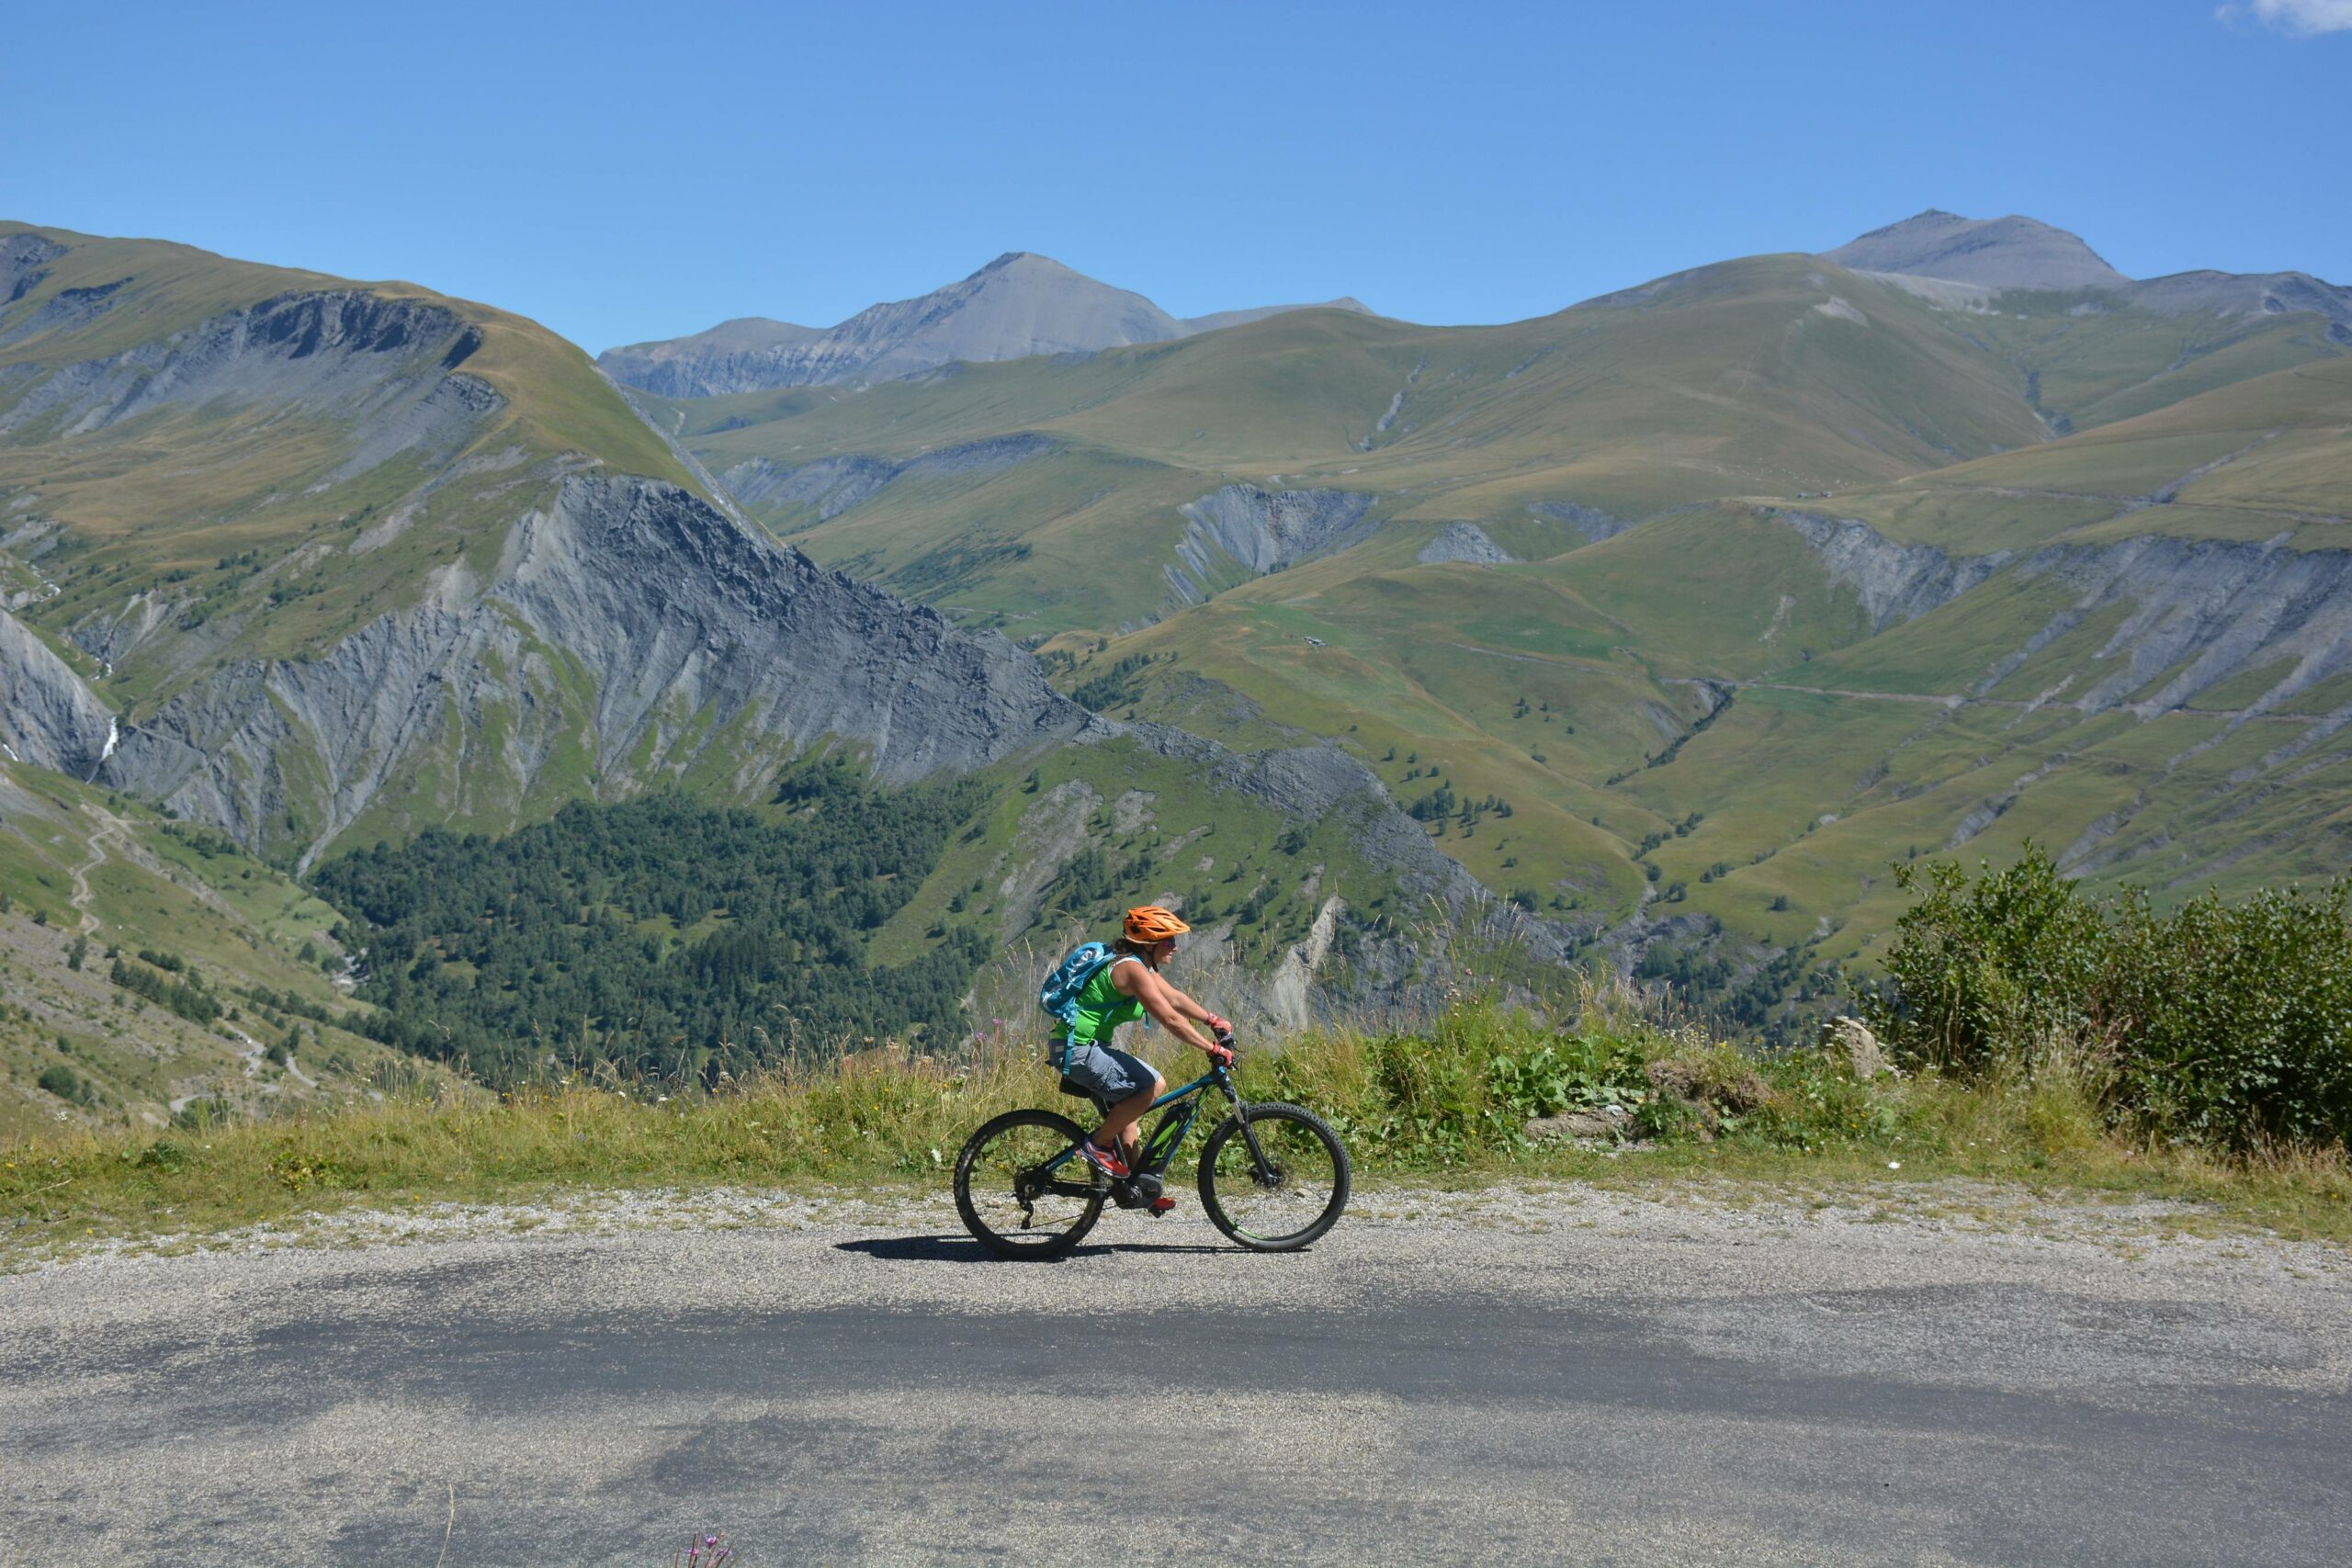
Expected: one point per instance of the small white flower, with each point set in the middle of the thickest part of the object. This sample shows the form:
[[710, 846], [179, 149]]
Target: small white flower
[[1894, 1165]]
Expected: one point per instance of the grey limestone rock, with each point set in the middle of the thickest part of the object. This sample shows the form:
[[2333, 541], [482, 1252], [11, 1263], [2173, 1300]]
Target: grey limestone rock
[[1896, 581], [1465, 541], [49, 716], [388, 365], [734, 357], [680, 627], [24, 263], [1851, 1039], [1261, 531]]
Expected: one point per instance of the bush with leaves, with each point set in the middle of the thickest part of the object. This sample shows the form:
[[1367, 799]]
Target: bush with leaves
[[2236, 1019], [1983, 969], [2227, 1023]]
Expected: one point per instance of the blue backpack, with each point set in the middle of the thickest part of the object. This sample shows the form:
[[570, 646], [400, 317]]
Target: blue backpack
[[1059, 995]]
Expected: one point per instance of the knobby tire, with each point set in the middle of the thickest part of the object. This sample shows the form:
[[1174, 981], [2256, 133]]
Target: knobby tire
[[985, 1170], [1311, 1187]]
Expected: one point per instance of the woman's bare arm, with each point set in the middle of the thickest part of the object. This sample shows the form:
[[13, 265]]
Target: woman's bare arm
[[1163, 1001]]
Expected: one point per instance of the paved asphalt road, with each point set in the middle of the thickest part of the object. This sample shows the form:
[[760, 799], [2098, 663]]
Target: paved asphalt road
[[1557, 1377]]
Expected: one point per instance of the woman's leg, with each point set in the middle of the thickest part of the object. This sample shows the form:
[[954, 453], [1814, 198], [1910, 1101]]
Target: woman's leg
[[1119, 1123]]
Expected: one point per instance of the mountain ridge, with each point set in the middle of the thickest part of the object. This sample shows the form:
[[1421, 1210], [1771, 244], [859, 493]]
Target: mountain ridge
[[1018, 306], [2015, 253]]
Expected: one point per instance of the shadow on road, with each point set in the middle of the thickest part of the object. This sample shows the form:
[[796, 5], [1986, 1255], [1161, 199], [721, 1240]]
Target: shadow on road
[[964, 1249]]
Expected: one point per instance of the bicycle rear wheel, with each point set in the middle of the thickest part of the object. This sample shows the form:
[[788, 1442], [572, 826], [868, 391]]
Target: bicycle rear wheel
[[1287, 1192], [1007, 1202]]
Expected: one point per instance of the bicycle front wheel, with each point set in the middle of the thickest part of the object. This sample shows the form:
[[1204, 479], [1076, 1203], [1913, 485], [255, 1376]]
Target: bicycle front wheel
[[1010, 1203], [1274, 1177]]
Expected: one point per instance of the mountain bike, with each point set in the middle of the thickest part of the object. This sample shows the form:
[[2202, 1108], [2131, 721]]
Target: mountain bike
[[1273, 1178]]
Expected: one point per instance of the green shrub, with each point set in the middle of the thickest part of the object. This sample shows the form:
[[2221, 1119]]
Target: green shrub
[[1980, 970], [2238, 1017], [2230, 1025], [60, 1080]]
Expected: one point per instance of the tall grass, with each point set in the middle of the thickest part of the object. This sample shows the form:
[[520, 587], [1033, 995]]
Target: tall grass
[[1450, 1100]]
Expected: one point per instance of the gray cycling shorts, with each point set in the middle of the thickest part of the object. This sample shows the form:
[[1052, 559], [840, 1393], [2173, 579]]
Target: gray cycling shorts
[[1108, 1073]]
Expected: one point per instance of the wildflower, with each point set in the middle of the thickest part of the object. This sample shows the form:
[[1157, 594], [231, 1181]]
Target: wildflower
[[1894, 1165]]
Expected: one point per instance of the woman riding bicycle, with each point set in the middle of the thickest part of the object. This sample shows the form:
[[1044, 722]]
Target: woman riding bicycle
[[1122, 990]]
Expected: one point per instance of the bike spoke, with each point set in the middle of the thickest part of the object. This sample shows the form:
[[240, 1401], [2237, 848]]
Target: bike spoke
[[1281, 1188], [1016, 1199]]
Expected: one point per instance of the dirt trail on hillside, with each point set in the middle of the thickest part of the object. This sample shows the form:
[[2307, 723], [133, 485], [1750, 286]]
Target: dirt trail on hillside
[[111, 829]]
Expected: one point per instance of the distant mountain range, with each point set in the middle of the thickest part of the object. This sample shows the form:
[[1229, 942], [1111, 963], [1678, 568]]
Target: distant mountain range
[[1997, 254], [1016, 307], [1023, 305]]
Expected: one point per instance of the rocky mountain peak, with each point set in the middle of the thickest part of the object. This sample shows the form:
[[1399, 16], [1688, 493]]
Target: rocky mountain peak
[[1994, 252], [1020, 305]]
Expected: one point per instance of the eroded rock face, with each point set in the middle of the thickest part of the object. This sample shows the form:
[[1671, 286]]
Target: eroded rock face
[[2217, 607], [387, 362], [1260, 531], [2207, 610], [48, 716], [1465, 541], [1896, 581], [627, 630], [24, 261]]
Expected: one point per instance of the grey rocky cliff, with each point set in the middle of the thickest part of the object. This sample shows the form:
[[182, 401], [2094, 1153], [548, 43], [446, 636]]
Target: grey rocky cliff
[[1895, 581], [2246, 294], [49, 716], [677, 628], [2206, 611], [1464, 542], [24, 263], [734, 357], [390, 364], [1260, 531], [2214, 608]]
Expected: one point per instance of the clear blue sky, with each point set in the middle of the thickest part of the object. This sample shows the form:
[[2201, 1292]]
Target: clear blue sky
[[630, 172]]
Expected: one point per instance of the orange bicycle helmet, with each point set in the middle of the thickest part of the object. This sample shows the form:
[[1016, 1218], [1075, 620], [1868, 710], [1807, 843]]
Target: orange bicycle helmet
[[1152, 924]]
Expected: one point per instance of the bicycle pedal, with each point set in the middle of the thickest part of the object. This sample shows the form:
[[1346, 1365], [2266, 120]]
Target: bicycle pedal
[[1159, 1206]]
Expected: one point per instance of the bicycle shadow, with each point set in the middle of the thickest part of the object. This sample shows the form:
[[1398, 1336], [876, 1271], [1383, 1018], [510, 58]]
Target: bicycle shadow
[[964, 1249]]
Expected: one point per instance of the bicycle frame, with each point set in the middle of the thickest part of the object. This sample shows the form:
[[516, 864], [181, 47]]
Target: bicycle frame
[[1182, 1106]]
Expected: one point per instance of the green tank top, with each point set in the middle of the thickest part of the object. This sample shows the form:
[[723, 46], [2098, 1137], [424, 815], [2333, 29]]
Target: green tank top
[[1101, 1007]]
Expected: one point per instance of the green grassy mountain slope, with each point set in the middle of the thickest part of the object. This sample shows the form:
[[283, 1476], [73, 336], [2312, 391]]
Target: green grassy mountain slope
[[1730, 588], [148, 968], [320, 564], [1771, 375]]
